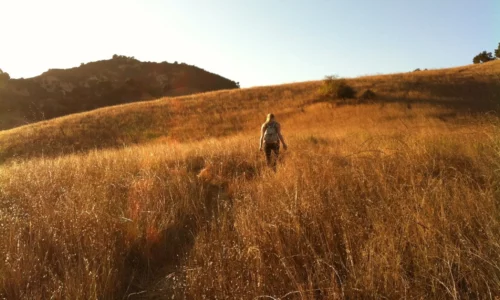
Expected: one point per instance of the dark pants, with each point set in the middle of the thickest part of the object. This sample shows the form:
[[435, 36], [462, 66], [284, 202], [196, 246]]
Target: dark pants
[[268, 149]]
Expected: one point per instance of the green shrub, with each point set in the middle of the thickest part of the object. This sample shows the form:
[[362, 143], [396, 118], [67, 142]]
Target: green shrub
[[483, 57], [337, 88]]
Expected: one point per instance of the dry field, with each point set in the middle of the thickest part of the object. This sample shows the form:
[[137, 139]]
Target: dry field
[[398, 197]]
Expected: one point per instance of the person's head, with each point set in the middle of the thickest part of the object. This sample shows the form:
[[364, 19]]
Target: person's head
[[270, 117]]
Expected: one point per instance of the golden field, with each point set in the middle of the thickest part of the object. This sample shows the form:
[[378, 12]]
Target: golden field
[[398, 197]]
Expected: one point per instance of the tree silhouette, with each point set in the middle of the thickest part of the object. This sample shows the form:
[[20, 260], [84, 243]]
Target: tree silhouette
[[497, 51], [483, 57]]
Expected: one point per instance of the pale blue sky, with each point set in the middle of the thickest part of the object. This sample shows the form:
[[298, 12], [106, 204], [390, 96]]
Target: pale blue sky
[[258, 42]]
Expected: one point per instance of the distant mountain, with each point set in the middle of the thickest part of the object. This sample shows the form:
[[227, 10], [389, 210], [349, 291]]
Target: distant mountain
[[119, 80]]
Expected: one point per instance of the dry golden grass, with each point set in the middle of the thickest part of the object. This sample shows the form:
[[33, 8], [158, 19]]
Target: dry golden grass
[[370, 201], [216, 114]]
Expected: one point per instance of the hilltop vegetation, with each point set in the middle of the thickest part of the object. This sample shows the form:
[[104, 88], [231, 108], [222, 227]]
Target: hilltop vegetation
[[393, 197], [119, 80], [485, 56]]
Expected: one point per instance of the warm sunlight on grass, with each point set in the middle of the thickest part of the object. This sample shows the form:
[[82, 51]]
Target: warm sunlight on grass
[[394, 199], [471, 88]]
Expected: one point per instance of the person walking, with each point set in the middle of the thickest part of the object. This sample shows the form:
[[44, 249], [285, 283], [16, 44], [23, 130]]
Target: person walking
[[270, 137]]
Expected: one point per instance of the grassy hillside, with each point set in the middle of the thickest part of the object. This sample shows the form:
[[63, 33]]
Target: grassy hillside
[[472, 88], [98, 84], [395, 198]]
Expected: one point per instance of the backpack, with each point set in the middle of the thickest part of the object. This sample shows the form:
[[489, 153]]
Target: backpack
[[271, 133]]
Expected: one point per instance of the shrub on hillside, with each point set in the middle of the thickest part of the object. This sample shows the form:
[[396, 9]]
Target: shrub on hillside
[[124, 57], [368, 95], [4, 77], [337, 88], [497, 51], [483, 57]]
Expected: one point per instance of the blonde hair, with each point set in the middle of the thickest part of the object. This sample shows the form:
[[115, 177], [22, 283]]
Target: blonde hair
[[269, 118]]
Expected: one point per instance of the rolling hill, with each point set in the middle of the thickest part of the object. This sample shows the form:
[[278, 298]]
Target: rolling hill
[[60, 92], [473, 88], [393, 197]]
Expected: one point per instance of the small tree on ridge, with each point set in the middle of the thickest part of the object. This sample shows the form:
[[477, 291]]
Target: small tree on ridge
[[483, 57]]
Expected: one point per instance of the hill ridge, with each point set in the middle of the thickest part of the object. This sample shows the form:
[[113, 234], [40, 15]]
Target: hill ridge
[[59, 92], [466, 89]]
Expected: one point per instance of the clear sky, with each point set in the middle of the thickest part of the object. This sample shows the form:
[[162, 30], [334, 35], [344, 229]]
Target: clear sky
[[255, 42]]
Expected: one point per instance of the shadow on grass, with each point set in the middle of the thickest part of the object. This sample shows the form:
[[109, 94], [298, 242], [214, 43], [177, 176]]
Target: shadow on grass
[[148, 264], [154, 269]]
